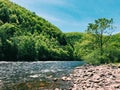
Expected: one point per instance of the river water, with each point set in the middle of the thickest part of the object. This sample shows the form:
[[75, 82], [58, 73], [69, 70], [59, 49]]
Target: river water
[[15, 75]]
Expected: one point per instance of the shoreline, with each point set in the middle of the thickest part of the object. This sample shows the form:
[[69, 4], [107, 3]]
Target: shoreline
[[85, 77], [102, 77]]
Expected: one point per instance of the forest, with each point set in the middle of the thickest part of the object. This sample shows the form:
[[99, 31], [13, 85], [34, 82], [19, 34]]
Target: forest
[[24, 36]]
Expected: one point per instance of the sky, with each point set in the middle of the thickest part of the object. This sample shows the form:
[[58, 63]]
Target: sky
[[74, 15]]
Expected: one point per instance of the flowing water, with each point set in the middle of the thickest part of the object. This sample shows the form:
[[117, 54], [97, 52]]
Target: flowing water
[[35, 75]]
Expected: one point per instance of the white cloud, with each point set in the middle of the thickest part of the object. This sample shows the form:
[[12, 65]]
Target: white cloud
[[50, 17], [68, 23]]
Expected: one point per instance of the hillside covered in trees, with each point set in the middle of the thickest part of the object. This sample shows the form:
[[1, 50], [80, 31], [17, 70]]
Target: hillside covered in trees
[[26, 37]]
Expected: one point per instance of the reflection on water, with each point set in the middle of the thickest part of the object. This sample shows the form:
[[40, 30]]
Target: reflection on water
[[33, 73]]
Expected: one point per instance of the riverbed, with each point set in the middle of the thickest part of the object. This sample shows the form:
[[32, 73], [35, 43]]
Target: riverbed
[[35, 75], [101, 77]]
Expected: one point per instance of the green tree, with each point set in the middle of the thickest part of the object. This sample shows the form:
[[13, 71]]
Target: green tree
[[8, 48], [4, 14], [13, 18], [1, 53], [1, 23], [100, 28], [26, 48], [7, 30]]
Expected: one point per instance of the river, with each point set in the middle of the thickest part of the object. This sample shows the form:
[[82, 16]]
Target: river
[[14, 75]]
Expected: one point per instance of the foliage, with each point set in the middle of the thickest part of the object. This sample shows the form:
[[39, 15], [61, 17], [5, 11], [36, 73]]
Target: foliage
[[25, 36], [86, 49], [98, 29]]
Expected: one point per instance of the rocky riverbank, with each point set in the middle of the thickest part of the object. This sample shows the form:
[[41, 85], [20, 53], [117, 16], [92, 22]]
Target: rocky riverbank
[[103, 77], [86, 77]]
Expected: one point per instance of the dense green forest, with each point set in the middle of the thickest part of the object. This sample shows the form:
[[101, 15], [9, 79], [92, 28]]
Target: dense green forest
[[25, 36]]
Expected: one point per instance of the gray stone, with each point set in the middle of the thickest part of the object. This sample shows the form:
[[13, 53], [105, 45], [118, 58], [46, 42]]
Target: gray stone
[[103, 77]]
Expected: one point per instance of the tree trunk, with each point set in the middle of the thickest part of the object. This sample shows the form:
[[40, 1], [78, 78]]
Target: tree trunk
[[101, 44]]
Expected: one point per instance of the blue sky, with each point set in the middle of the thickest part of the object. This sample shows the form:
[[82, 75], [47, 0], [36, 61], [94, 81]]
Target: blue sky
[[74, 15]]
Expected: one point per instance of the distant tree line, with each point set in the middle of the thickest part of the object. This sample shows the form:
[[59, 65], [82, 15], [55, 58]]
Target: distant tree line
[[98, 45]]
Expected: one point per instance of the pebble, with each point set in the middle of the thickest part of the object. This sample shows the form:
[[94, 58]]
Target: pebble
[[1, 84], [102, 77]]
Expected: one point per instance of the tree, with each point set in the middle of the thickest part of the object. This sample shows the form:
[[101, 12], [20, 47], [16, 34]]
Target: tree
[[8, 48], [4, 14], [26, 48], [99, 29], [13, 19]]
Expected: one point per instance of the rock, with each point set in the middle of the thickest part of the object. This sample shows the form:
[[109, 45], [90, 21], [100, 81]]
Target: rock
[[117, 81], [68, 79], [109, 73], [118, 66], [102, 89], [116, 85], [42, 85], [95, 81], [55, 79], [57, 89], [89, 89], [87, 85], [50, 76], [96, 77], [91, 75], [1, 84], [74, 87], [64, 78], [78, 68], [102, 77], [85, 75], [90, 70]]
